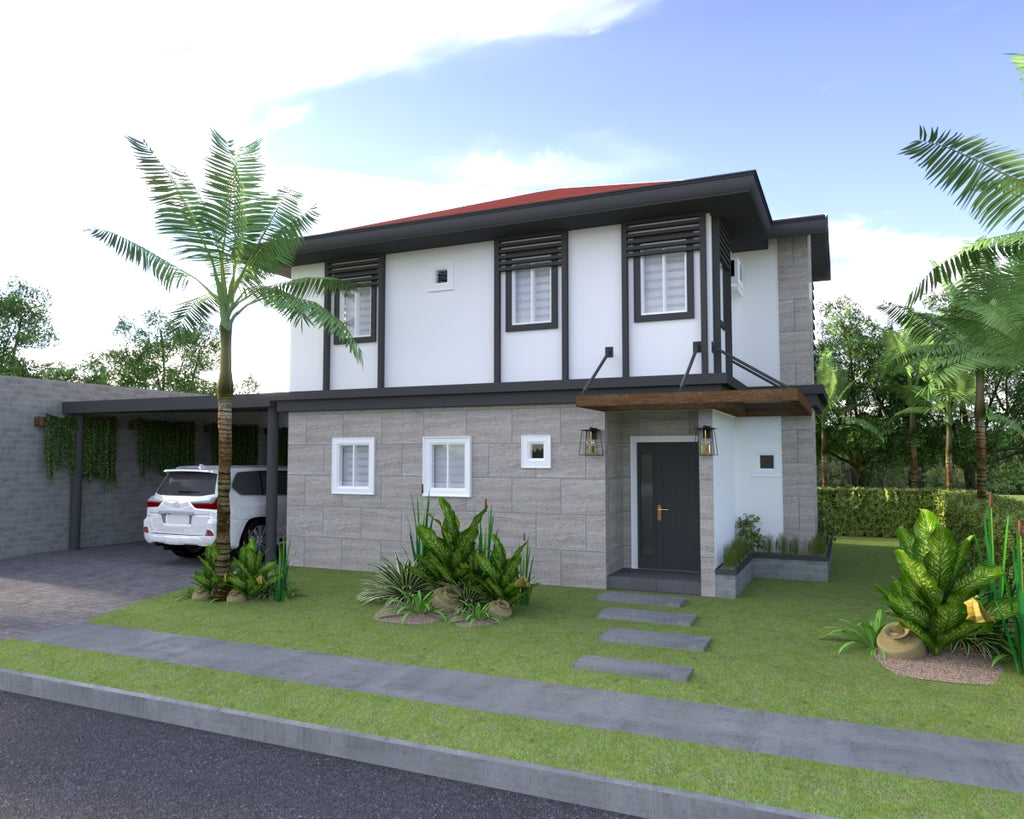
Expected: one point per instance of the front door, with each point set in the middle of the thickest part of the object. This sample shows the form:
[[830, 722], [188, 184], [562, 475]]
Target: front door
[[668, 506]]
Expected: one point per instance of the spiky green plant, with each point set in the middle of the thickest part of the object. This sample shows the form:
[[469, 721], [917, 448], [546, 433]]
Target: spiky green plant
[[1004, 597], [854, 633], [391, 580], [935, 580], [207, 578], [414, 603]]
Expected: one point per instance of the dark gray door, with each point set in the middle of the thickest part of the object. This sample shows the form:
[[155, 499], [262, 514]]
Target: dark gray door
[[668, 506]]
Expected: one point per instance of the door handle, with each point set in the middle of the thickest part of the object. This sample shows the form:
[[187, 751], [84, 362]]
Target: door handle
[[660, 510]]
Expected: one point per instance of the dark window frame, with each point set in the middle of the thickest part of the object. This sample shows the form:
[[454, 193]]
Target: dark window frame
[[659, 238], [358, 273], [531, 253]]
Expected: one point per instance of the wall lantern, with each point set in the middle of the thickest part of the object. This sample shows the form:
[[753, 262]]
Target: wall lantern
[[591, 442], [706, 443]]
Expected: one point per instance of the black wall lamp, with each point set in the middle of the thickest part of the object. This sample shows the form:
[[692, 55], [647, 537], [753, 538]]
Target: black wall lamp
[[591, 441], [706, 443]]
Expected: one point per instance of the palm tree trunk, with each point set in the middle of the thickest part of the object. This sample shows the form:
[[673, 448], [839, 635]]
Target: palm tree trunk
[[980, 441], [912, 430], [949, 454], [225, 394], [824, 462]]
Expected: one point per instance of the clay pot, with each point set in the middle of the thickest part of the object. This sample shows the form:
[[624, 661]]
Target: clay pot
[[500, 610], [446, 599], [201, 594], [900, 643], [235, 596]]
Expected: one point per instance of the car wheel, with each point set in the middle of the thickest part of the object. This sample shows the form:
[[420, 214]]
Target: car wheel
[[257, 530], [186, 551]]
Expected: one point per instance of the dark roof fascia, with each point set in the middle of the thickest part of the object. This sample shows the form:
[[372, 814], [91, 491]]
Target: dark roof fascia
[[737, 199], [817, 228], [168, 404]]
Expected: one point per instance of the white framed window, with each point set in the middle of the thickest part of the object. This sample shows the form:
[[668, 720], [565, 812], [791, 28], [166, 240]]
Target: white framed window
[[352, 461], [442, 277], [663, 284], [535, 451], [357, 312], [532, 295], [446, 466]]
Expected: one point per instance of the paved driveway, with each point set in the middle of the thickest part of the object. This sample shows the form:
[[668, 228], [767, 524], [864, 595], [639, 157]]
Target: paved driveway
[[39, 592]]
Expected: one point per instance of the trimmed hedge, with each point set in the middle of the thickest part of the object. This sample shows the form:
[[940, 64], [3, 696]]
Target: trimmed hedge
[[870, 512]]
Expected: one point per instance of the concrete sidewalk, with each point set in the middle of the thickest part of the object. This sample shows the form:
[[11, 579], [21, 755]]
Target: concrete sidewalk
[[950, 759]]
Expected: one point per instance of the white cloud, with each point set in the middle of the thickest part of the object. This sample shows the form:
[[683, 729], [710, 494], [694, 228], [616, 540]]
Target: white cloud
[[875, 265]]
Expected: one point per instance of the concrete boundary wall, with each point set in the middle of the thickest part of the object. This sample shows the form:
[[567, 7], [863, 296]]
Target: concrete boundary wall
[[34, 512]]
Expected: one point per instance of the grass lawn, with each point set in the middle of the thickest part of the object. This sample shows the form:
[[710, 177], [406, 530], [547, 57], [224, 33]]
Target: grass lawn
[[765, 653]]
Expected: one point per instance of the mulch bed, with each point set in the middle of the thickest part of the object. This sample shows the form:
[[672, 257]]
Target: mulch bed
[[950, 666]]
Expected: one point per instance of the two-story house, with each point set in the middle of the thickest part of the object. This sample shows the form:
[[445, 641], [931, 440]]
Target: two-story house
[[619, 371]]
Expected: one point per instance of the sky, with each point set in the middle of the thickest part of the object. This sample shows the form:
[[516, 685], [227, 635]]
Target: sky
[[376, 111]]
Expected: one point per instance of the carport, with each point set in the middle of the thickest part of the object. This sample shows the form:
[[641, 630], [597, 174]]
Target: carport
[[262, 410]]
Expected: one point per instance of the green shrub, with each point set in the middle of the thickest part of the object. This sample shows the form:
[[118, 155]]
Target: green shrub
[[935, 580], [873, 512], [207, 578], [249, 574], [391, 580], [734, 553], [863, 634]]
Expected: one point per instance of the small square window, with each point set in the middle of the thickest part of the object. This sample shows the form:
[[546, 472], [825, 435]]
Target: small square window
[[767, 461], [535, 451], [446, 466], [441, 278], [352, 466]]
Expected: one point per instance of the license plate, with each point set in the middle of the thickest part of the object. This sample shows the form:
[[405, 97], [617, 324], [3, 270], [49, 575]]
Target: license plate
[[178, 520]]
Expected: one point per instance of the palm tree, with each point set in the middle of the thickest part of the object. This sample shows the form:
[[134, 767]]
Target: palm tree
[[988, 180], [243, 237]]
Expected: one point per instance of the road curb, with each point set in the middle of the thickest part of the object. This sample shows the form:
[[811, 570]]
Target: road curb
[[604, 793]]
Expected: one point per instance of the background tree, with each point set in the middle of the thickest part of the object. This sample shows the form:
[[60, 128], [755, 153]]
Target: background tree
[[158, 354], [241, 237], [24, 325]]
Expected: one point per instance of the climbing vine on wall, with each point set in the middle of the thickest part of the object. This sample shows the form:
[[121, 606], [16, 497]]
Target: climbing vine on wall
[[166, 444], [245, 444], [99, 449], [59, 444]]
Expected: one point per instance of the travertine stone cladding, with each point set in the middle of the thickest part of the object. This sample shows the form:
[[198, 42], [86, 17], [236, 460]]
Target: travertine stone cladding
[[561, 510]]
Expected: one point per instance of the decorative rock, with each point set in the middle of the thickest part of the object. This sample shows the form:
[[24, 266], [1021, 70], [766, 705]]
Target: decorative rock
[[900, 643], [499, 610], [201, 594], [446, 599], [235, 596]]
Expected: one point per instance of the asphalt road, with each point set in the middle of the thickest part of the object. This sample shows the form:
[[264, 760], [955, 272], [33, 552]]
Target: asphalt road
[[63, 761]]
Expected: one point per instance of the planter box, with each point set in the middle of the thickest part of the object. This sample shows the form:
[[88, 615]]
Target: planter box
[[730, 583]]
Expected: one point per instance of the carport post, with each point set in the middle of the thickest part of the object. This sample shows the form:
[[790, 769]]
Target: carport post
[[270, 546], [75, 513]]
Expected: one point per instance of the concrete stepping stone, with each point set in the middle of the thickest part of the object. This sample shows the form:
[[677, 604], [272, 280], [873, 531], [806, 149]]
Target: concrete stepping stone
[[665, 618], [641, 599], [655, 639], [634, 668]]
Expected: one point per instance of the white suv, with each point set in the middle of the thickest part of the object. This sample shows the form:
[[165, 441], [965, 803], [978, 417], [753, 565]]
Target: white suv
[[182, 514]]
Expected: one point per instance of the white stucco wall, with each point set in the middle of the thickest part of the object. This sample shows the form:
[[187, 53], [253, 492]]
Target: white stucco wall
[[755, 314], [440, 336], [307, 345], [595, 311]]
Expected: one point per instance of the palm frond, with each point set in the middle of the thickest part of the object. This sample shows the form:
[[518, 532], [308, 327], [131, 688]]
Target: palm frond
[[986, 179], [165, 272]]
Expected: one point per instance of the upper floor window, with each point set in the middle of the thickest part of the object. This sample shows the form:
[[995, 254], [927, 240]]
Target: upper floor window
[[662, 256], [357, 305], [531, 268]]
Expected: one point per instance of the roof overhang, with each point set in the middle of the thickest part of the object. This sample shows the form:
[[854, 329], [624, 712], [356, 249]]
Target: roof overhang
[[746, 403], [735, 198]]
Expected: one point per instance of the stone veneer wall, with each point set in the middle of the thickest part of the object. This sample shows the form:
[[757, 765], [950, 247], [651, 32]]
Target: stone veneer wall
[[562, 510], [34, 513], [796, 355]]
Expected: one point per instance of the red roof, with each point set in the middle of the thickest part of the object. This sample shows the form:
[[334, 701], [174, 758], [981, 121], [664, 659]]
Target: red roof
[[523, 199]]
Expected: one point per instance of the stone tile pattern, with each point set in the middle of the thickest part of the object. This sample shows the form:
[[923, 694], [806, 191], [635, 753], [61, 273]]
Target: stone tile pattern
[[34, 512], [563, 511], [796, 348]]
